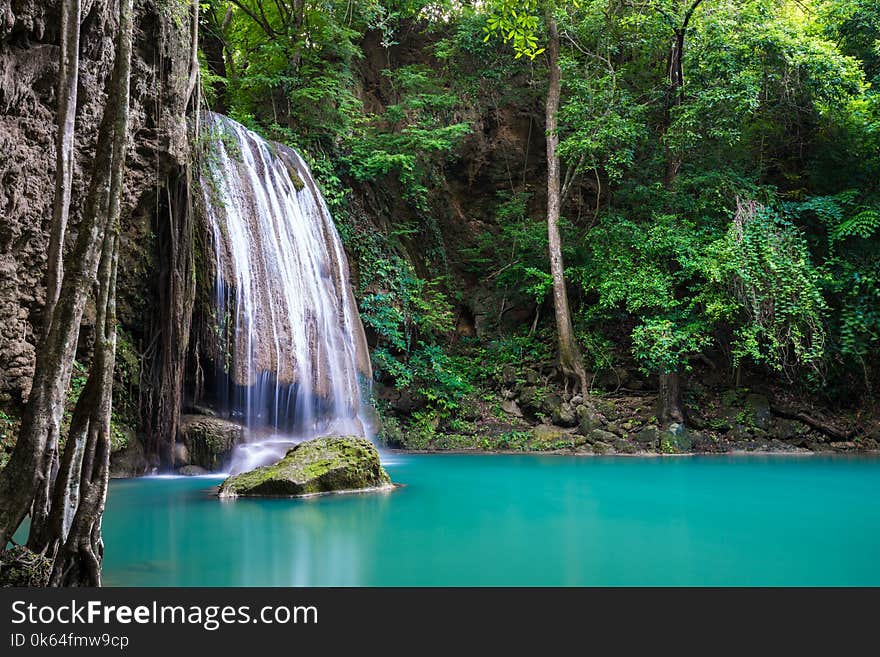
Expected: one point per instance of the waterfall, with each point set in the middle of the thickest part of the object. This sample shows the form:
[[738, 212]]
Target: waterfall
[[286, 319]]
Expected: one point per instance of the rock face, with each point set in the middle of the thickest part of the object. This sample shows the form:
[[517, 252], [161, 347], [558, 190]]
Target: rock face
[[322, 465], [129, 461], [28, 75], [208, 440]]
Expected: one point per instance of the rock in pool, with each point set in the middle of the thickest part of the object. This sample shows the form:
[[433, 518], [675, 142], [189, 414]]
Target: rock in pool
[[323, 465]]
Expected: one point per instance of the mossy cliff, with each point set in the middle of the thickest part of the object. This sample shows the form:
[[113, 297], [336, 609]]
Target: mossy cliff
[[322, 465]]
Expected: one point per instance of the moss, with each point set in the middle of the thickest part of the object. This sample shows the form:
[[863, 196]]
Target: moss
[[321, 465], [21, 567]]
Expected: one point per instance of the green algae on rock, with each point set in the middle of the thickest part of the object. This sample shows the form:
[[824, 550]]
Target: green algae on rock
[[323, 465]]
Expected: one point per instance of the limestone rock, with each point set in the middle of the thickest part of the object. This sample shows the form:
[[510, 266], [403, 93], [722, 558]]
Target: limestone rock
[[564, 415], [588, 419], [209, 440], [511, 408], [323, 465], [129, 461], [600, 436], [546, 436]]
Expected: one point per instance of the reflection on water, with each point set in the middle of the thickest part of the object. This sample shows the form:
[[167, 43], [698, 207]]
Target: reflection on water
[[515, 520]]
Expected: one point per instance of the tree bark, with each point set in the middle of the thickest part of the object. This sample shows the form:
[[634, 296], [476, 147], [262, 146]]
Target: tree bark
[[671, 409], [23, 475], [78, 546], [68, 75], [570, 358]]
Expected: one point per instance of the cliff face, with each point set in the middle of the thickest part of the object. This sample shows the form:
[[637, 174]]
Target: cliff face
[[29, 36]]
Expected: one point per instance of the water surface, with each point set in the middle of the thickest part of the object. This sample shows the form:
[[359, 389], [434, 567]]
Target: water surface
[[516, 520]]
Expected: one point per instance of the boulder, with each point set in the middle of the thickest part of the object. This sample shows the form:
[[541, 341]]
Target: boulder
[[546, 436], [323, 465], [601, 447], [564, 415], [623, 446], [530, 399], [600, 436], [129, 461], [209, 441], [588, 419], [676, 438], [649, 437], [551, 404], [510, 407]]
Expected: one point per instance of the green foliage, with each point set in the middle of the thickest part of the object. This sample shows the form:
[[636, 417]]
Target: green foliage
[[768, 263]]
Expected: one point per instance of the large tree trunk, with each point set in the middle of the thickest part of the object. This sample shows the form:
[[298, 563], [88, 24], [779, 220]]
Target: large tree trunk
[[569, 354], [25, 474]]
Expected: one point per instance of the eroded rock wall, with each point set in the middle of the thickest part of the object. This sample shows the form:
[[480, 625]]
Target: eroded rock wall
[[29, 36]]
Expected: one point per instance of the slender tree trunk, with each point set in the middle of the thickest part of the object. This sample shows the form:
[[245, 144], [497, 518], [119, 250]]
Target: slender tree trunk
[[671, 409], [68, 75], [78, 546], [23, 475], [569, 354]]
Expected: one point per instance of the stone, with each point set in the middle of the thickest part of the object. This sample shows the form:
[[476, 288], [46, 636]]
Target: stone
[[676, 438], [546, 436], [564, 415], [623, 446], [530, 399], [192, 471], [649, 436], [209, 440], [588, 419], [129, 461], [510, 407], [551, 404], [601, 447], [531, 376], [600, 436], [322, 465]]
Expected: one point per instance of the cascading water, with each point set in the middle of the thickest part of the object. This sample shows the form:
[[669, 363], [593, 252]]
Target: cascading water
[[286, 317]]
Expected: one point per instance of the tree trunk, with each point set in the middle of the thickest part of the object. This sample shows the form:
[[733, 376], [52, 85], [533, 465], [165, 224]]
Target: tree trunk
[[68, 75], [23, 475], [77, 541], [569, 354], [671, 409]]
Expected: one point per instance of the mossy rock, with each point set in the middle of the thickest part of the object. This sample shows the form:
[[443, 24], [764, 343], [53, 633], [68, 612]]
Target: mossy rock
[[323, 465], [209, 440], [546, 436], [130, 461]]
